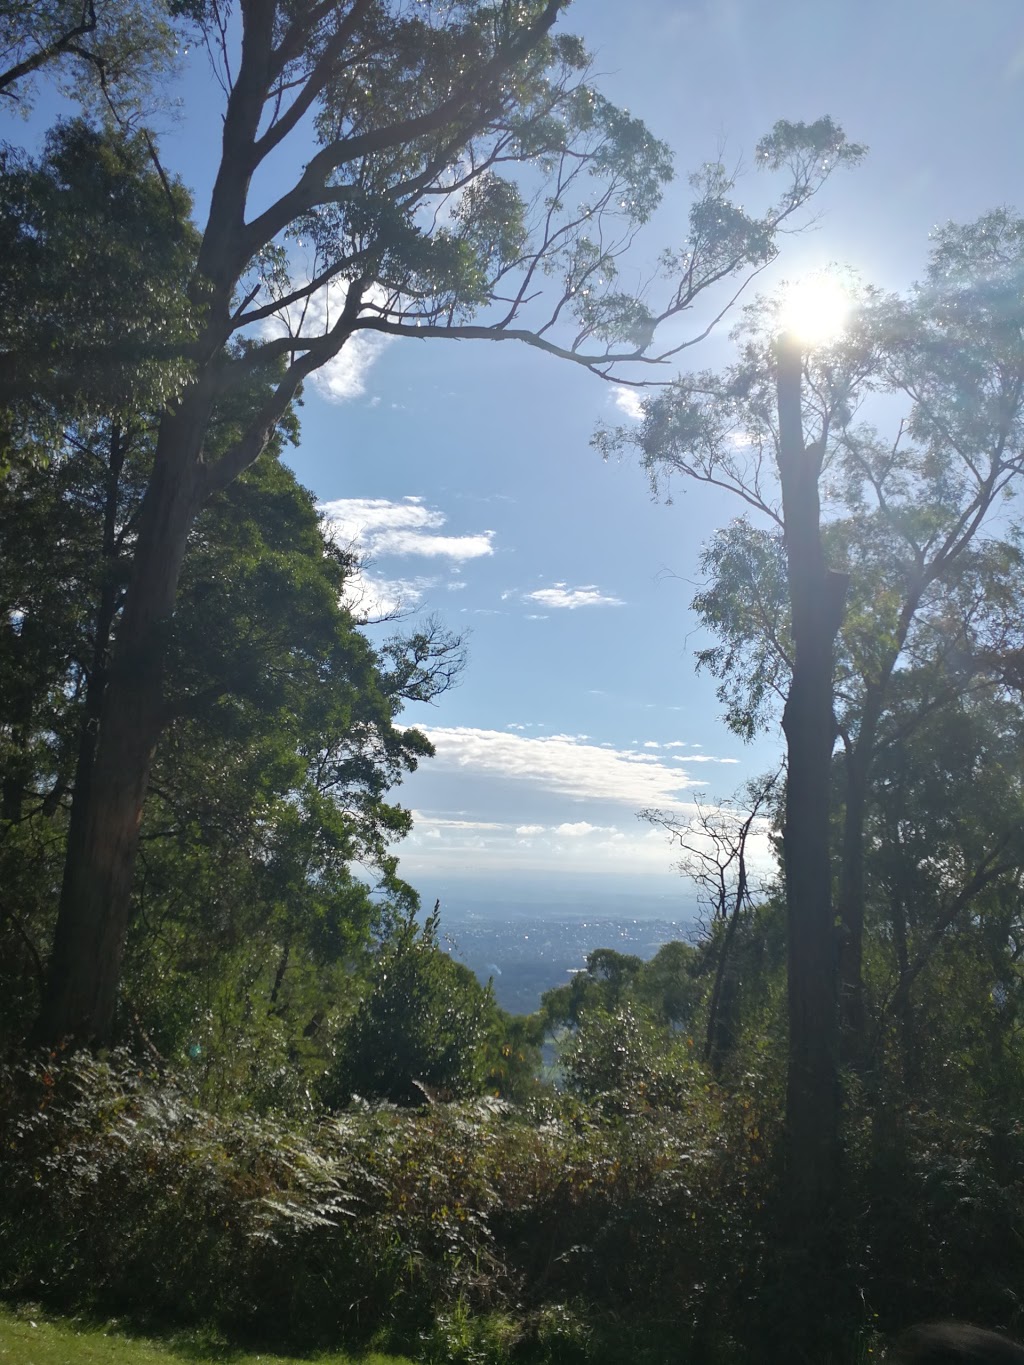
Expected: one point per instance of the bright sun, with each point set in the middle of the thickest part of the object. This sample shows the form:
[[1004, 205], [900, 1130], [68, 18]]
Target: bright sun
[[814, 309]]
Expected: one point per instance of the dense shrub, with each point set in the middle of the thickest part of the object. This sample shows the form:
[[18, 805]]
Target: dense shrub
[[121, 1193], [420, 1027], [478, 1230]]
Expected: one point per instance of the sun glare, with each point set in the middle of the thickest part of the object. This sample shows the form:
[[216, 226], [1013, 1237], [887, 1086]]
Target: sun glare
[[814, 309]]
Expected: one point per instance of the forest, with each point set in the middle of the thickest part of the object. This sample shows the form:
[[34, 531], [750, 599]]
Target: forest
[[245, 1091]]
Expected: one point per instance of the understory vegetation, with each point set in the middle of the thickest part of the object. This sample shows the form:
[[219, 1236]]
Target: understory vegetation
[[638, 1206]]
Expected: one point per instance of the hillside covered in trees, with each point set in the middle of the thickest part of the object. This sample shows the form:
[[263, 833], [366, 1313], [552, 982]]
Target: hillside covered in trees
[[242, 1084]]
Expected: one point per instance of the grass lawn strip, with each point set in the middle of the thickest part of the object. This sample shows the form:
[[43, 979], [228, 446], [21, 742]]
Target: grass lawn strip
[[29, 1337]]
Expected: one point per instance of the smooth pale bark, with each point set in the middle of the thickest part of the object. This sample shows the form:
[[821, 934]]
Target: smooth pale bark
[[817, 600]]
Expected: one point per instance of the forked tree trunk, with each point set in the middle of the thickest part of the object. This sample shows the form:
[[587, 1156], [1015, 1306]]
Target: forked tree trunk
[[817, 600], [80, 1000]]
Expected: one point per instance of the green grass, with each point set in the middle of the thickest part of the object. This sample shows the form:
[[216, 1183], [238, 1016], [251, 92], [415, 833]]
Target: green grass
[[29, 1337]]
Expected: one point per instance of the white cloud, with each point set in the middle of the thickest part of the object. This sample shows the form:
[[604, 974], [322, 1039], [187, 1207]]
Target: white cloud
[[410, 542], [378, 526], [561, 595], [560, 764], [371, 598], [652, 744], [701, 758], [579, 829], [444, 822], [628, 401], [344, 377], [529, 829]]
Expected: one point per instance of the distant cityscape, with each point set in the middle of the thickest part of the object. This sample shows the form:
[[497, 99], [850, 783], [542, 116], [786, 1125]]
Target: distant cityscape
[[527, 954]]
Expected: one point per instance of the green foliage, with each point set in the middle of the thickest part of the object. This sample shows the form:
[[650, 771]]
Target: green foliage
[[665, 986], [746, 606], [108, 54], [387, 1220], [279, 754], [98, 249], [622, 1058], [475, 1231], [945, 987], [419, 1030]]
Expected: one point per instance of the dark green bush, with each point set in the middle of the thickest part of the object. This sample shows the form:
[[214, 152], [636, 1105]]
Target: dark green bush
[[485, 1230], [121, 1194], [419, 1029]]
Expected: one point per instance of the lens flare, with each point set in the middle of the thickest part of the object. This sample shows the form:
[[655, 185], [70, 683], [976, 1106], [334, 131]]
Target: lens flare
[[814, 309]]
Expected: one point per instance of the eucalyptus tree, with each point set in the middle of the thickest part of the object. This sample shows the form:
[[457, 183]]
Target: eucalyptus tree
[[914, 518], [108, 53], [762, 430], [432, 171], [909, 526], [279, 751]]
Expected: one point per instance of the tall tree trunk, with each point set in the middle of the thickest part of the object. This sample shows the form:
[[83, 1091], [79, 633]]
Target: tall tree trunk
[[850, 907], [103, 625], [852, 894], [817, 599], [902, 1008], [84, 971]]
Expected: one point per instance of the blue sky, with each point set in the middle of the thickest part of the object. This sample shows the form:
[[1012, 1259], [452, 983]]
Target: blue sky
[[465, 472], [580, 703]]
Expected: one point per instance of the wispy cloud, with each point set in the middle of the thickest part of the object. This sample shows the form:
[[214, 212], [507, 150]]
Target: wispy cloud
[[371, 598], [560, 764], [562, 596], [378, 526], [375, 527], [701, 758], [442, 846], [442, 822], [344, 377], [628, 401]]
